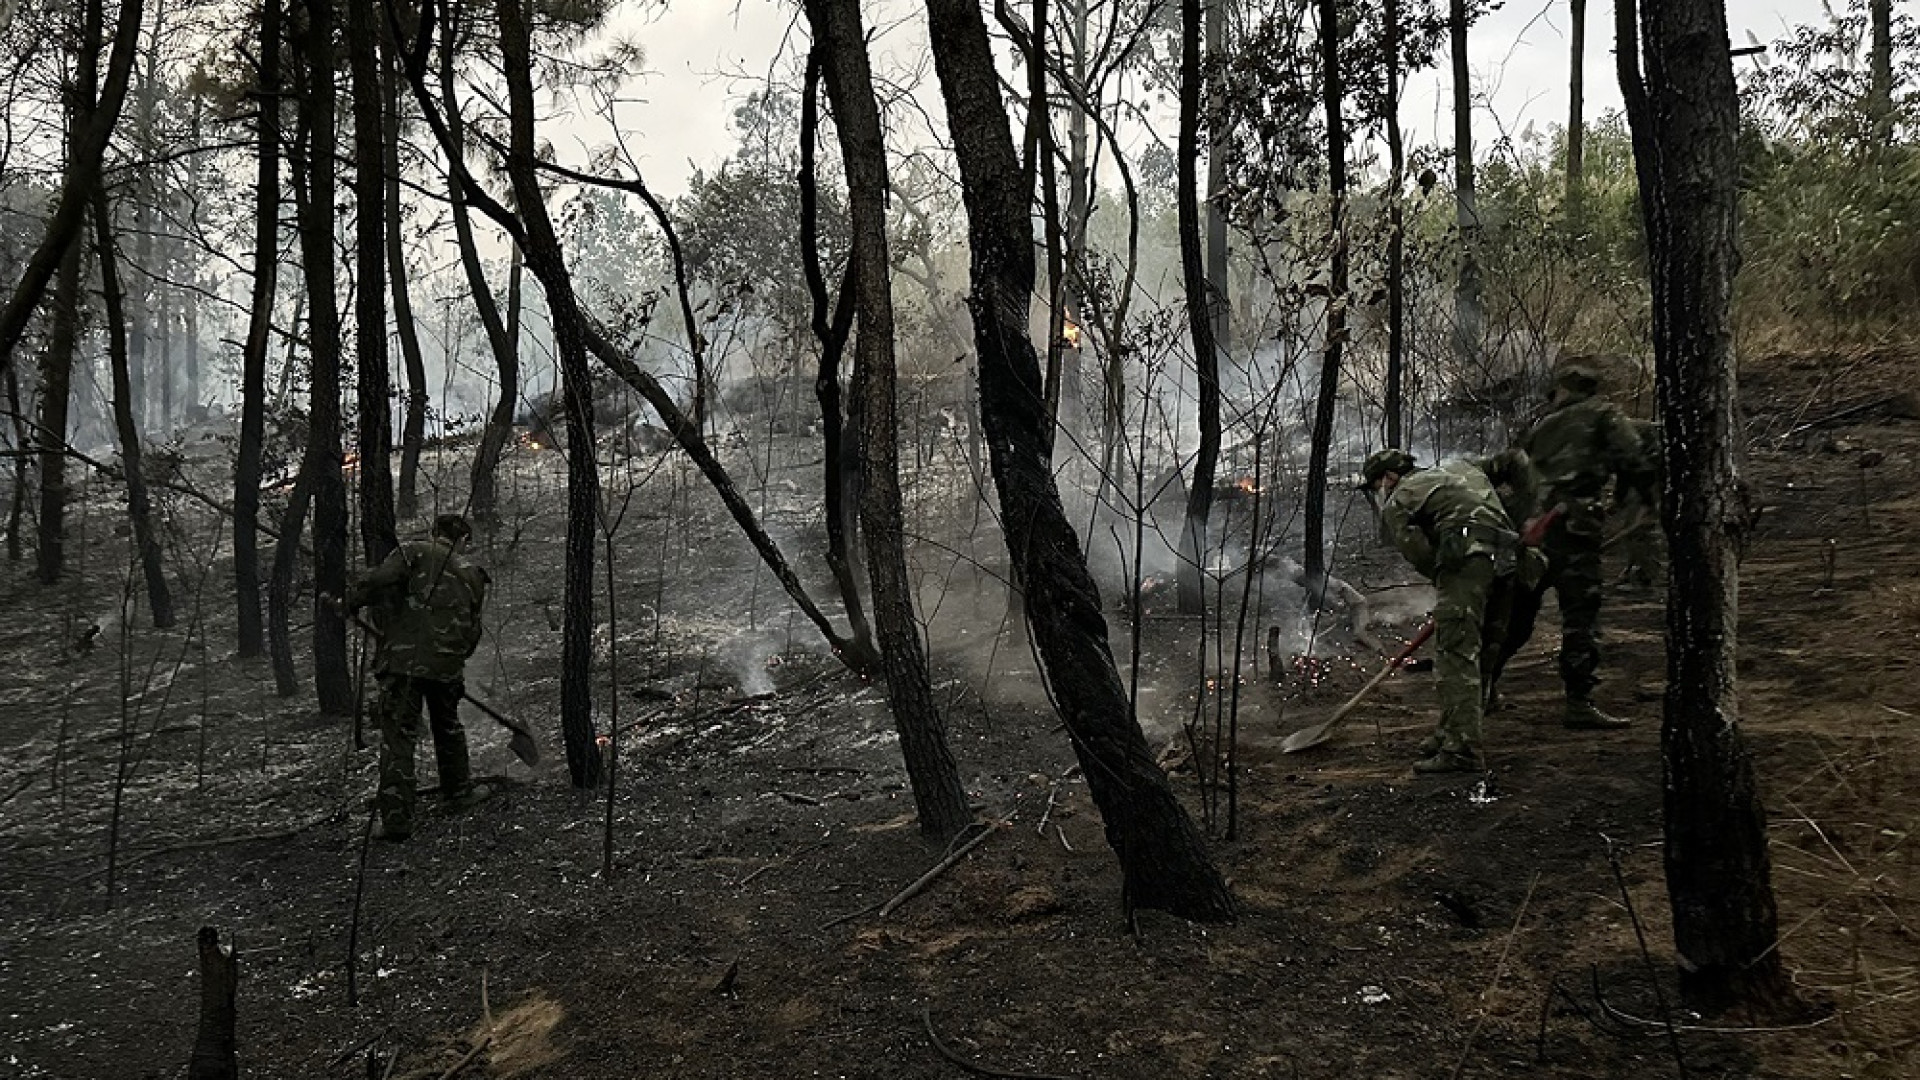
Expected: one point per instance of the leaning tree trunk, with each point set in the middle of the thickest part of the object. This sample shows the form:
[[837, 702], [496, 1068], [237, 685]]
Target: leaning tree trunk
[[375, 384], [831, 325], [1163, 858], [86, 152], [1685, 118], [938, 795], [502, 344], [139, 507], [321, 464], [1200, 321], [1314, 551]]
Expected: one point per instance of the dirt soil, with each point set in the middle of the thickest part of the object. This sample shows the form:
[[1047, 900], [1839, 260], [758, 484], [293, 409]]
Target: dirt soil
[[1390, 927]]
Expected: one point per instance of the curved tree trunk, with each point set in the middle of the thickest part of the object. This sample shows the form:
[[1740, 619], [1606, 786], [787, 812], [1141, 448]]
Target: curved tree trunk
[[1200, 321], [1314, 554], [1163, 858], [413, 429], [1685, 118], [86, 153], [831, 330], [938, 795], [139, 507]]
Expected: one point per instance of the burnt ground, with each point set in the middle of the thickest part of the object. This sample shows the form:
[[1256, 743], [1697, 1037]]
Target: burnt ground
[[1390, 927]]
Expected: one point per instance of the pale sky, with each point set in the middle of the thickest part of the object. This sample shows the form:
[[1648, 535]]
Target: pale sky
[[704, 54]]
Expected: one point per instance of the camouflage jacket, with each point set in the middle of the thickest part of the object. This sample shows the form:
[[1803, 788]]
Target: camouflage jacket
[[425, 601], [1579, 447], [1438, 517]]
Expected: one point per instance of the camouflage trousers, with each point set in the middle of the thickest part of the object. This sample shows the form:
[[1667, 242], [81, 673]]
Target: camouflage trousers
[[401, 697], [1574, 574], [1470, 619]]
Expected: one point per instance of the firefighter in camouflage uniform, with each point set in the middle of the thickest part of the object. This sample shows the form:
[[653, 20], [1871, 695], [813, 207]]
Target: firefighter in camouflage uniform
[[425, 601], [1449, 523], [1582, 446]]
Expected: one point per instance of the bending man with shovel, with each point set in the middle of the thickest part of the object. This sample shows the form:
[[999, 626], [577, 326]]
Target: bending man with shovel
[[1449, 523], [425, 601]]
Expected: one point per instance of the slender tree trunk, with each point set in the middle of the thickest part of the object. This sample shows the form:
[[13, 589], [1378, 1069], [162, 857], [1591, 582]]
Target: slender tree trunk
[[286, 558], [1880, 70], [375, 384], [321, 464], [17, 505], [1217, 294], [1314, 553], [1201, 321], [139, 508], [938, 795], [570, 331], [86, 151], [1468, 321], [1576, 99], [56, 393], [253, 360], [413, 429], [1685, 118], [831, 330], [1394, 404], [503, 344], [1163, 858]]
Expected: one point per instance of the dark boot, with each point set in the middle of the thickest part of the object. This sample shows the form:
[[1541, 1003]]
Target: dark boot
[[1583, 715], [1449, 761]]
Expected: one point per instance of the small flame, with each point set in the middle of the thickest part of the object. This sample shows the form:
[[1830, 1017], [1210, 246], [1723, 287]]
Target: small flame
[[1247, 485], [349, 463], [1070, 334]]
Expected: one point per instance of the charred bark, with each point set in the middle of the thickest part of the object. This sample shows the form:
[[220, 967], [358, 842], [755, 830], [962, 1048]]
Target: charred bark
[[1576, 100], [1162, 856], [1314, 548], [56, 392], [1467, 318], [413, 427], [831, 325], [939, 797], [374, 384], [139, 507], [1396, 239], [1684, 118], [321, 463], [215, 1047], [1200, 321], [504, 346]]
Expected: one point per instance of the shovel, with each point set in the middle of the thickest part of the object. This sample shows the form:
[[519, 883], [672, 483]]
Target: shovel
[[1321, 732], [521, 744]]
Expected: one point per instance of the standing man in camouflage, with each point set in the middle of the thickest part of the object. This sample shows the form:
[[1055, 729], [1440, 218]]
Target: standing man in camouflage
[[1583, 445], [425, 601], [1449, 523]]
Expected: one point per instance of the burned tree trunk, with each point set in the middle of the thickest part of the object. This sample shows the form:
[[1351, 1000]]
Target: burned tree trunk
[[1467, 317], [1200, 321], [1684, 120], [504, 346], [374, 383], [831, 330], [1396, 239], [215, 1049], [139, 507], [1314, 549], [938, 795], [1163, 857], [253, 361], [56, 392], [413, 427], [321, 463]]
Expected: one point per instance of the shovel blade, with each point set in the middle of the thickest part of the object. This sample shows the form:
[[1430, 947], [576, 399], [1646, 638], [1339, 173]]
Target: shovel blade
[[1307, 737], [523, 747]]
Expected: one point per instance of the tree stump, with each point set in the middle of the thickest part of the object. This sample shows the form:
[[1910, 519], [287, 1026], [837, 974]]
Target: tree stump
[[214, 1055]]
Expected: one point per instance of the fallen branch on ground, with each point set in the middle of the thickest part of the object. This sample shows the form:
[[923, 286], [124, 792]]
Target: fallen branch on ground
[[926, 1019], [930, 876]]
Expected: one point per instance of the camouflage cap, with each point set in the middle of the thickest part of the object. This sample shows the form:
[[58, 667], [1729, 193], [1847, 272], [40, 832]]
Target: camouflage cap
[[1381, 462], [1578, 373], [452, 527]]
